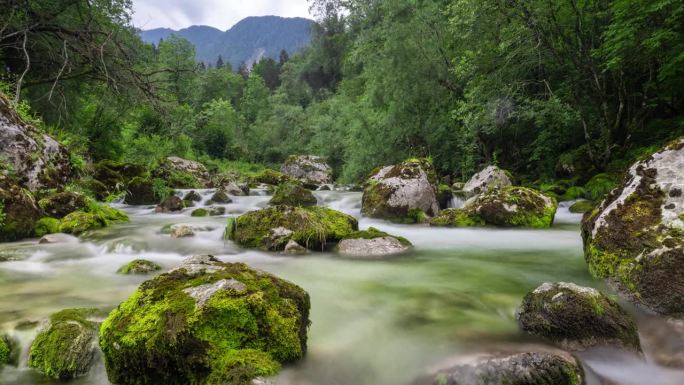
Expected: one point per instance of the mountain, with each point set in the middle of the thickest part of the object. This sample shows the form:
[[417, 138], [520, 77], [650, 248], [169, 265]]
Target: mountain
[[246, 42]]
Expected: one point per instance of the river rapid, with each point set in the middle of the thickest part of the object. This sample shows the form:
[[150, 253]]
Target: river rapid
[[374, 322]]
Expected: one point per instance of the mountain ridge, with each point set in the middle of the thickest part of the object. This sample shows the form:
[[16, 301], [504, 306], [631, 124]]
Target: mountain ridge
[[247, 40]]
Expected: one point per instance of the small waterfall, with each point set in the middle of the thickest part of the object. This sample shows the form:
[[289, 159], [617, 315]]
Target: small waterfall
[[456, 202]]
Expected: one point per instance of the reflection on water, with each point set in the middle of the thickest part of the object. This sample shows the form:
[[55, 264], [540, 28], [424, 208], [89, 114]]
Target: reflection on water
[[374, 322]]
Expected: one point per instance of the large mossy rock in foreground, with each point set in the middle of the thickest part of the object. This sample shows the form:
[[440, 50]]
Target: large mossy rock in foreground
[[205, 322], [530, 368], [401, 193], [635, 237], [19, 211], [506, 207], [272, 228], [311, 170], [65, 348], [577, 318]]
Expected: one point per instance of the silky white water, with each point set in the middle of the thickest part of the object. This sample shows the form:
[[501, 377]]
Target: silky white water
[[374, 322]]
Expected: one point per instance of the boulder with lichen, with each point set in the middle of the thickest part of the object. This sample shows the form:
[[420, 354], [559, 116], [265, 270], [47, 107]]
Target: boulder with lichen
[[490, 178], [311, 170], [372, 243], [634, 238], [139, 266], [59, 204], [206, 322], [293, 194], [401, 193]]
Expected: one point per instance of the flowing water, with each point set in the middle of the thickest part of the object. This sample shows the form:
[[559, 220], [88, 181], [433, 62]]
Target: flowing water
[[374, 322]]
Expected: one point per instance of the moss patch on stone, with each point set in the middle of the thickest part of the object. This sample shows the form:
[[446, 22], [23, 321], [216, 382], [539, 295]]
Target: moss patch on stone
[[4, 352], [46, 226], [58, 205], [581, 207], [97, 216], [373, 233], [139, 266], [457, 218], [293, 194], [176, 329], [199, 213], [66, 347], [19, 211], [312, 227]]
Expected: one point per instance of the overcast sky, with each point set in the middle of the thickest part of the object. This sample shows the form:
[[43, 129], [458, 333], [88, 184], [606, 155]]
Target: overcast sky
[[221, 14]]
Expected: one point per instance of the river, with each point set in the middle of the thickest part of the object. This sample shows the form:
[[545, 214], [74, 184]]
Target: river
[[374, 322]]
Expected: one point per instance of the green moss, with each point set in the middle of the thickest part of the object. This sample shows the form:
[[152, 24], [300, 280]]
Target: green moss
[[581, 207], [60, 204], [4, 352], [599, 186], [139, 266], [79, 222], [199, 213], [457, 218], [46, 226], [373, 233], [161, 335], [65, 349], [573, 193], [293, 194], [313, 227], [271, 177], [182, 180]]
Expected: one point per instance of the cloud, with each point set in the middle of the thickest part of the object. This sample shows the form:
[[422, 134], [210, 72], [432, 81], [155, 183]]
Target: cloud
[[221, 14]]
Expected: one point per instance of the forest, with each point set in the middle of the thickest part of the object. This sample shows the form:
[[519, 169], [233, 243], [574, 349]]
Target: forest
[[431, 192], [548, 89]]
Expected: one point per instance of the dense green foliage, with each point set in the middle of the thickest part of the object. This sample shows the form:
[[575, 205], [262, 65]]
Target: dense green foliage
[[549, 90]]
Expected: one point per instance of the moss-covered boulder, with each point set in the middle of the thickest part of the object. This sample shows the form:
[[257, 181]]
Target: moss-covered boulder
[[311, 170], [372, 243], [199, 213], [59, 204], [193, 196], [110, 177], [10, 350], [221, 196], [577, 318], [581, 207], [96, 217], [139, 266], [18, 211], [634, 238], [146, 191], [503, 207], [529, 368], [272, 228], [205, 322], [270, 177], [293, 194], [183, 173], [491, 178], [170, 205], [4, 352], [401, 193], [66, 346]]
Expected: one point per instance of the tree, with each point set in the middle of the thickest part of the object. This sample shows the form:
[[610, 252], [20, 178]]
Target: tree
[[255, 98], [219, 62], [269, 70], [177, 64], [216, 129], [284, 57]]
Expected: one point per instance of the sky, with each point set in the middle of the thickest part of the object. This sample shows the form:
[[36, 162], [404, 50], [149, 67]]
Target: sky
[[221, 14]]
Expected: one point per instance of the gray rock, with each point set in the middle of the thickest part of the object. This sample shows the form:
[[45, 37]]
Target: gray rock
[[170, 204], [203, 293], [295, 248], [30, 153], [217, 211], [312, 171], [371, 247], [233, 188], [199, 264], [197, 169], [278, 237], [488, 179]]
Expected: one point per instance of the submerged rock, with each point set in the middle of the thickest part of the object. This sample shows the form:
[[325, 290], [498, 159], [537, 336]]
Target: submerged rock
[[634, 237], [65, 348], [37, 159], [217, 211], [372, 242], [490, 178], [199, 213], [58, 205], [530, 368], [312, 171], [139, 266], [181, 231], [577, 318], [206, 322], [402, 193], [506, 207], [293, 194], [170, 204], [57, 238], [19, 209], [272, 228]]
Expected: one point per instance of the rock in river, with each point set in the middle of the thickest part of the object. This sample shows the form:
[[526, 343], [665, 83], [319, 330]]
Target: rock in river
[[577, 318], [634, 238], [206, 322], [311, 170], [372, 243]]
